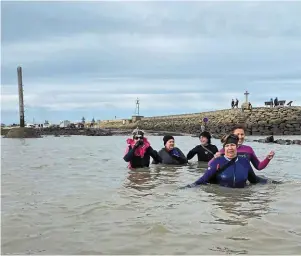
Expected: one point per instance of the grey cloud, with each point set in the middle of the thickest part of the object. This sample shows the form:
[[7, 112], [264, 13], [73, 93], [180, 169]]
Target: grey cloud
[[208, 49], [217, 19]]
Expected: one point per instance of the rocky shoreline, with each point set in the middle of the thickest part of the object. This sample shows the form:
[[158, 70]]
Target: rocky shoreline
[[260, 121], [57, 132], [270, 139]]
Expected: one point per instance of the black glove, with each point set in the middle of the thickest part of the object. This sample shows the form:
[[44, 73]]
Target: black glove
[[175, 153], [138, 143]]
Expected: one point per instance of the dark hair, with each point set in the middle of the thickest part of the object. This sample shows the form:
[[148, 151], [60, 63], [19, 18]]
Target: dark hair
[[238, 126], [167, 138], [206, 135], [232, 138]]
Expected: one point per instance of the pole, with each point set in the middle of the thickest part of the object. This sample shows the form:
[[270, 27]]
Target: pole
[[21, 102]]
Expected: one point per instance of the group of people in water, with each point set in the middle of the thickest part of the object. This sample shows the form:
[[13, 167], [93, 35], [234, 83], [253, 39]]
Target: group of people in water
[[229, 166]]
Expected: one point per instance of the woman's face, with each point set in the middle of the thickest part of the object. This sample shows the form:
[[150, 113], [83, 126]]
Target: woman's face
[[241, 135], [138, 137], [230, 150], [170, 144], [203, 140]]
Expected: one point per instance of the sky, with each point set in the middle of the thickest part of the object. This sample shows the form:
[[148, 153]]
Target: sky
[[94, 59]]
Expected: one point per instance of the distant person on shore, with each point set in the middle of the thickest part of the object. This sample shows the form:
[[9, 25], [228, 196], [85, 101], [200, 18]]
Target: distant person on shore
[[203, 128], [139, 151], [232, 103], [247, 151], [250, 106], [276, 103], [170, 154], [205, 150], [229, 170], [236, 103]]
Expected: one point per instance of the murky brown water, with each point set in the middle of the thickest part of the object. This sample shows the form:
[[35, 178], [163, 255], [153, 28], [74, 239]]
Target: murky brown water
[[74, 195]]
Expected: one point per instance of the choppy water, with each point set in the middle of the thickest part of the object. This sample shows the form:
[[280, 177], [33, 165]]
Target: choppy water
[[74, 195]]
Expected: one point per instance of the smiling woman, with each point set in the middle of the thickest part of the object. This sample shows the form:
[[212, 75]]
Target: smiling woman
[[229, 170]]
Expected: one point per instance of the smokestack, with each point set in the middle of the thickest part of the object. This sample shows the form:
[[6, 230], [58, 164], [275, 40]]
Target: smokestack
[[21, 103]]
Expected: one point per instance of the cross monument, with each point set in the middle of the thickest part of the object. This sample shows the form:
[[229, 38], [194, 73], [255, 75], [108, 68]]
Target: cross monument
[[246, 93]]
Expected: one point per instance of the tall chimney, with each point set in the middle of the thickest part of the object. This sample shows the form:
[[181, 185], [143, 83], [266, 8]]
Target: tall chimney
[[21, 103]]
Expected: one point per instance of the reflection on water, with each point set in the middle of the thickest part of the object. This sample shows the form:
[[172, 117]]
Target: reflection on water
[[72, 196], [239, 204], [148, 179]]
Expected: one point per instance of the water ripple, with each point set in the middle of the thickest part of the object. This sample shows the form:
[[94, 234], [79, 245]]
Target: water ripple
[[71, 196]]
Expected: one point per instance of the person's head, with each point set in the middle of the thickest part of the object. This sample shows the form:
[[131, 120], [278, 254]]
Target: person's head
[[138, 134], [239, 130], [230, 143], [169, 142], [205, 138]]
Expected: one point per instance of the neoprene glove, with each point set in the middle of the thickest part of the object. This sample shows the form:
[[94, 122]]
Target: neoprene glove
[[175, 153], [138, 143]]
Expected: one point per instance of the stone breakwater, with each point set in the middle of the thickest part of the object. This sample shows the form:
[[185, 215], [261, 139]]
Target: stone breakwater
[[58, 132], [259, 121]]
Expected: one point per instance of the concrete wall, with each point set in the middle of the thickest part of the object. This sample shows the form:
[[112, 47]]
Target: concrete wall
[[259, 121]]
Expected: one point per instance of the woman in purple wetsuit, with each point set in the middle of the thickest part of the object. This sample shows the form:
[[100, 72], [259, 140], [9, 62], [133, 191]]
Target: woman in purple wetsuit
[[247, 151], [230, 170]]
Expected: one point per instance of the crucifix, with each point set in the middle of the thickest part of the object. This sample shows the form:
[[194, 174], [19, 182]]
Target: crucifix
[[246, 93]]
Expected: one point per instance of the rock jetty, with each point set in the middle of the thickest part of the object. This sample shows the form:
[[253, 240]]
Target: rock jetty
[[258, 121], [22, 133]]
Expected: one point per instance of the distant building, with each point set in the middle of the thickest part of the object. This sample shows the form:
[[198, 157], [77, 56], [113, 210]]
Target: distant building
[[64, 123]]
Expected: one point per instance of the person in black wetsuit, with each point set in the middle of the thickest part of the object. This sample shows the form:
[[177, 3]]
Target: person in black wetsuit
[[139, 151], [205, 150], [171, 154]]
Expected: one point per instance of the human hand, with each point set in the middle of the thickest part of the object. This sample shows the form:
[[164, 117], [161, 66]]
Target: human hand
[[217, 154], [139, 143], [175, 153], [271, 155]]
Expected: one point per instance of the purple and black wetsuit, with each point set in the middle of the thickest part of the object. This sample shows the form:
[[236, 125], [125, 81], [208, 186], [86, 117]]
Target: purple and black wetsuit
[[234, 175], [248, 152]]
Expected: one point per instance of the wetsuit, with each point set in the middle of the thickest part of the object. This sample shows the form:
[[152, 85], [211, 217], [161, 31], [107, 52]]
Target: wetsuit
[[175, 156], [139, 157], [235, 175], [248, 152], [205, 153]]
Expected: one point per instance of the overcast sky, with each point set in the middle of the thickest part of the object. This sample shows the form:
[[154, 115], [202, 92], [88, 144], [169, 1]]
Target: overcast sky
[[94, 59]]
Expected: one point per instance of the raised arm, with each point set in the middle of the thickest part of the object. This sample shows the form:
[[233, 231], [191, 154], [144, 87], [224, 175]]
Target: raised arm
[[129, 154], [256, 163]]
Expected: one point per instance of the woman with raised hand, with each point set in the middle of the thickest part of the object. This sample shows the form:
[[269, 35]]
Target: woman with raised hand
[[139, 151], [247, 151], [229, 170]]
